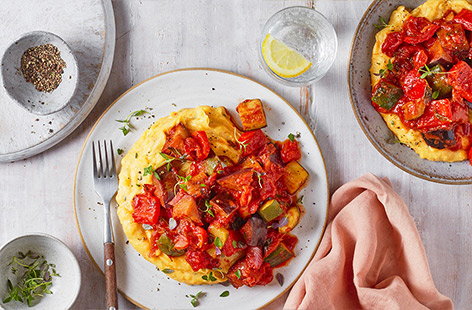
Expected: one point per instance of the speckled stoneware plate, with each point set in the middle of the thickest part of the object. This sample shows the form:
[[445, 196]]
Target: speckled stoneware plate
[[371, 122], [138, 280], [88, 28]]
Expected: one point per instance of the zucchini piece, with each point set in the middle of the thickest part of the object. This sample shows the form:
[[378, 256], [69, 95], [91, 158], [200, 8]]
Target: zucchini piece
[[270, 210], [280, 255], [386, 95], [438, 82], [252, 114], [293, 216], [167, 246], [295, 176]]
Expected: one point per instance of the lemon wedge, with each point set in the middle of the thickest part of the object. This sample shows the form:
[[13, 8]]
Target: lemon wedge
[[283, 60]]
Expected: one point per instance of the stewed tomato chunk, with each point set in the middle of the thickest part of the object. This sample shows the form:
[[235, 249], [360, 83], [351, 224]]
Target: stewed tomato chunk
[[460, 77], [418, 29], [392, 43], [200, 260], [197, 147], [253, 141], [290, 151], [250, 270], [452, 38], [465, 19], [146, 208]]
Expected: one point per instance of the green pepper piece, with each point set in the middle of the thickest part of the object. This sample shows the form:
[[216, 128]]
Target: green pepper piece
[[438, 82], [279, 255], [167, 246], [387, 95]]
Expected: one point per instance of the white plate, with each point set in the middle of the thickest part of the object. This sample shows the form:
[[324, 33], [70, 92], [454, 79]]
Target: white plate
[[138, 279]]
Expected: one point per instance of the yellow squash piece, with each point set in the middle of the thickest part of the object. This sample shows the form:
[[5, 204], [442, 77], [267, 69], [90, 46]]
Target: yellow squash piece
[[295, 176]]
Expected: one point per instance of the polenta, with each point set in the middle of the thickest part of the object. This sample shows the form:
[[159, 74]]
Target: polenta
[[190, 193]]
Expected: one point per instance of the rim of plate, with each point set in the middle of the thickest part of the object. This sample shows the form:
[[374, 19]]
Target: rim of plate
[[372, 141], [195, 69]]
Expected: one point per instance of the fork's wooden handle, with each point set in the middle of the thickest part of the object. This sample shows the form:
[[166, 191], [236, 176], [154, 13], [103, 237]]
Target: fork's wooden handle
[[110, 276]]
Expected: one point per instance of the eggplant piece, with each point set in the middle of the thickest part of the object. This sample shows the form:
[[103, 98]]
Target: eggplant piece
[[439, 83], [237, 223], [386, 95], [254, 231], [164, 185], [440, 139]]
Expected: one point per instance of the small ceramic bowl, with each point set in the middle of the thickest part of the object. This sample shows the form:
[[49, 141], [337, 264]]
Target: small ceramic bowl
[[24, 93], [370, 120], [65, 288]]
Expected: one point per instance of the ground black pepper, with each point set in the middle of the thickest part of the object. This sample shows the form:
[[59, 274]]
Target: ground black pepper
[[43, 66]]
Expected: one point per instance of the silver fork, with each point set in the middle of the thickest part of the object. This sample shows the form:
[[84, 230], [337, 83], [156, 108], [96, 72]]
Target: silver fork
[[105, 181]]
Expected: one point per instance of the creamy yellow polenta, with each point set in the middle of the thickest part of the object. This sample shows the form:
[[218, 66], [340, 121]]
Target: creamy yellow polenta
[[221, 133], [431, 9]]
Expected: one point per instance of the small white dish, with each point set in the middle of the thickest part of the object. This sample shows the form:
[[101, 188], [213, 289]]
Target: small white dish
[[23, 92], [65, 288]]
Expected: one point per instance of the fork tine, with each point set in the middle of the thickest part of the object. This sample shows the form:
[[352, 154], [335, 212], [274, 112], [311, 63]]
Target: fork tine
[[100, 162], [106, 169], [95, 171], [113, 168]]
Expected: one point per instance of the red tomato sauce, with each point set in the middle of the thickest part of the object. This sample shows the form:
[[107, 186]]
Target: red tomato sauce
[[428, 81], [197, 192]]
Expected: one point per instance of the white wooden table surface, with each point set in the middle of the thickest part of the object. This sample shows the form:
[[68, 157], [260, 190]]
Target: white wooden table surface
[[155, 36]]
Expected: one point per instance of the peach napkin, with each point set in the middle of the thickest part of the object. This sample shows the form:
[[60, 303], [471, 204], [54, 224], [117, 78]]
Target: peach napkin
[[371, 255]]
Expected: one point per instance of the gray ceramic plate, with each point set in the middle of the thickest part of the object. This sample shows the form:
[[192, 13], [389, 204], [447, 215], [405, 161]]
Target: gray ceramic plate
[[372, 123]]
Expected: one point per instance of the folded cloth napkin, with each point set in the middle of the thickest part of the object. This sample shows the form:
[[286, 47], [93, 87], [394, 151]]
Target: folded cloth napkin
[[371, 255]]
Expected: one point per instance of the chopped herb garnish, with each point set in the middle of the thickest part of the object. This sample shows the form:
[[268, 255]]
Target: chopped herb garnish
[[259, 178], [119, 151], [35, 281], [234, 244], [209, 277], [300, 199], [167, 270], [127, 126], [202, 185], [156, 175], [168, 159], [291, 137], [218, 242], [148, 170], [427, 71], [237, 273], [208, 209], [435, 94], [390, 65], [224, 294], [195, 298]]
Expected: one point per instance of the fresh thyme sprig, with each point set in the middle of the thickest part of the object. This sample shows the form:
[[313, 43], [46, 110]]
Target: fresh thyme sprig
[[168, 159], [382, 23], [35, 281], [127, 126], [208, 209], [383, 72], [427, 71], [195, 298]]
